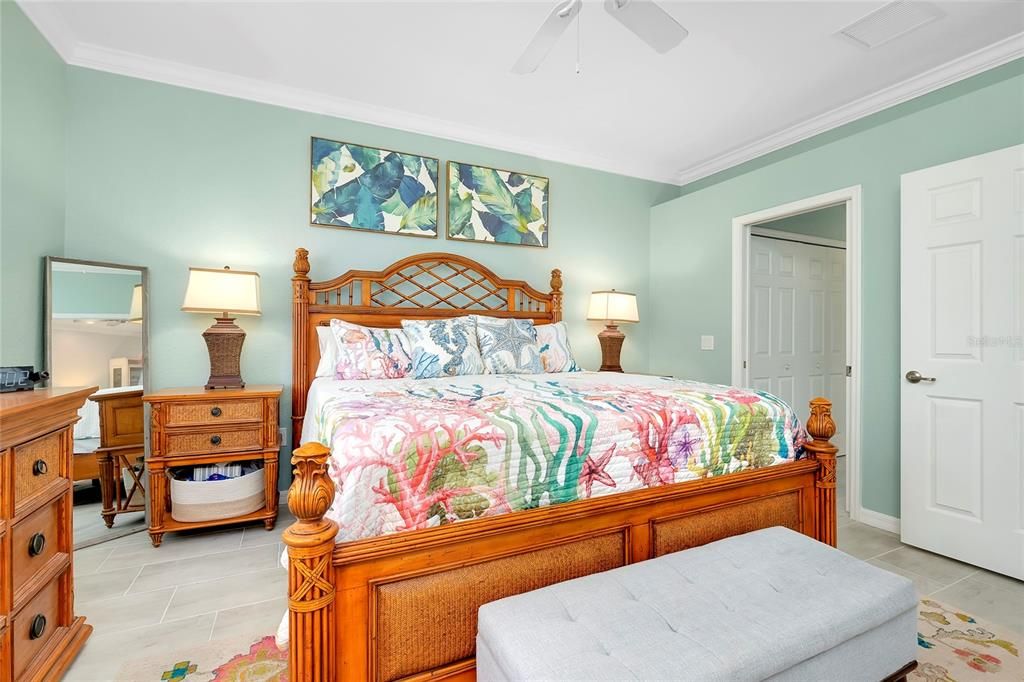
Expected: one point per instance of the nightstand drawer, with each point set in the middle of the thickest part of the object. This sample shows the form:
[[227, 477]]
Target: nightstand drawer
[[37, 463], [35, 541], [209, 412], [230, 439]]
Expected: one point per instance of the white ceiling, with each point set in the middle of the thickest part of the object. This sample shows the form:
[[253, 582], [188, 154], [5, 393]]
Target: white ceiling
[[751, 77]]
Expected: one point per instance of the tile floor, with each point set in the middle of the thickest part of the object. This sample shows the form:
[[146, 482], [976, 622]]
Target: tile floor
[[194, 588], [228, 584], [982, 593], [88, 523]]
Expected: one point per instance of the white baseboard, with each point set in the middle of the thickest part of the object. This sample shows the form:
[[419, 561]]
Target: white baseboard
[[877, 520]]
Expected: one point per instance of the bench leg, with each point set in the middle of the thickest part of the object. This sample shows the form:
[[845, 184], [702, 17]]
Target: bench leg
[[901, 674]]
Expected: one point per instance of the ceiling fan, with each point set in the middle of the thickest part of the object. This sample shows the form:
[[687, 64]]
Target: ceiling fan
[[648, 21]]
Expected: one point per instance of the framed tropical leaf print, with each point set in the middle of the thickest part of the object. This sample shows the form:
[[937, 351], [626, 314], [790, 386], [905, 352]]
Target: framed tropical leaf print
[[493, 205], [366, 188]]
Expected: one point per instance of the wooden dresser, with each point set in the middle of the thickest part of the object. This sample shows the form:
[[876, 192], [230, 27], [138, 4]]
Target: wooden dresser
[[39, 633], [199, 426]]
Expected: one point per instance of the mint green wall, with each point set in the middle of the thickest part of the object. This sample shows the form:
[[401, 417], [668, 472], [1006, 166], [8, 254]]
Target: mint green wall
[[166, 177], [828, 223], [93, 293], [691, 240], [32, 124]]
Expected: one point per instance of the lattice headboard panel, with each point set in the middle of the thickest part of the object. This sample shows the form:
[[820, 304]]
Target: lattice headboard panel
[[440, 282], [426, 286]]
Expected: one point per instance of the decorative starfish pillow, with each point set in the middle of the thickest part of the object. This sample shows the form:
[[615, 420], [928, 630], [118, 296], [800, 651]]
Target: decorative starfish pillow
[[555, 353], [443, 348], [508, 346]]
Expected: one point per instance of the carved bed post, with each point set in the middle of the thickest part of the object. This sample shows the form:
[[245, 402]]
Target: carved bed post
[[556, 295], [300, 316], [310, 540], [822, 428]]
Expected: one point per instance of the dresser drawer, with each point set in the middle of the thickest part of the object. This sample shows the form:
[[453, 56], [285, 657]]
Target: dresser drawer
[[38, 463], [228, 439], [35, 541], [35, 625], [209, 412]]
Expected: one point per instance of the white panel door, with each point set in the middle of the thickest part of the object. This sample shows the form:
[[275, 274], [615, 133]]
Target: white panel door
[[797, 324], [962, 360]]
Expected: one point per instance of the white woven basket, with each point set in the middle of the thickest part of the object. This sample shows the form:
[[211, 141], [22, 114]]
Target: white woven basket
[[213, 500]]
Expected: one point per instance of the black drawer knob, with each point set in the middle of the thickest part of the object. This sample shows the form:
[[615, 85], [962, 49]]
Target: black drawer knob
[[36, 544], [38, 467], [38, 626], [216, 412], [215, 440]]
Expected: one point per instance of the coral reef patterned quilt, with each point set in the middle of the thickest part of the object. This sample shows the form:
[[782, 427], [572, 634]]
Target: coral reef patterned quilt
[[409, 454]]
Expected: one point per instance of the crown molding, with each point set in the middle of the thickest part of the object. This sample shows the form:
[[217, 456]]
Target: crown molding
[[50, 23], [958, 69]]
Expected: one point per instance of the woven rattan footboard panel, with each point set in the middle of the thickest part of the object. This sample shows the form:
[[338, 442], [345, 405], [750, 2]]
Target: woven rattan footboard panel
[[681, 532], [431, 619]]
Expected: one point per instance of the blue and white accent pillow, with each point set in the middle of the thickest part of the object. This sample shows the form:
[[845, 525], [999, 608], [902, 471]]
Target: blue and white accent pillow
[[443, 348], [508, 346], [555, 353]]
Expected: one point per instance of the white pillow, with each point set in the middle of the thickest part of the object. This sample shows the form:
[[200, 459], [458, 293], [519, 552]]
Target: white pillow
[[328, 352], [555, 352]]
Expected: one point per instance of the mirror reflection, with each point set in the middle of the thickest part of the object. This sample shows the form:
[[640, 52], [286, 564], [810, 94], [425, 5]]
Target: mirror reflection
[[96, 336]]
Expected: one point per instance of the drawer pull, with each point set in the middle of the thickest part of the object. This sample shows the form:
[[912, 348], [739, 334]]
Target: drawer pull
[[214, 440], [38, 626], [215, 412], [38, 467], [36, 544]]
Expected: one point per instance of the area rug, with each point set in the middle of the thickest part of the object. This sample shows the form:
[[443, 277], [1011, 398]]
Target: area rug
[[224, 661], [953, 646]]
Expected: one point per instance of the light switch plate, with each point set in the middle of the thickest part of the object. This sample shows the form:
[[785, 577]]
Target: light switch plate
[[707, 343], [284, 436]]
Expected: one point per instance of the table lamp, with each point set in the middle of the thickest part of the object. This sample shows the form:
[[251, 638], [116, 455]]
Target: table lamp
[[223, 293], [135, 311], [612, 307]]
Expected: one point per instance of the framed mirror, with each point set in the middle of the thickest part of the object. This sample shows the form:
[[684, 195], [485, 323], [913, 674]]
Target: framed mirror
[[97, 335]]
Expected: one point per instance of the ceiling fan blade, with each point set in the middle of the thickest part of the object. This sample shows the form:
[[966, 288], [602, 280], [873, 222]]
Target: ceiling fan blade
[[560, 18], [650, 23]]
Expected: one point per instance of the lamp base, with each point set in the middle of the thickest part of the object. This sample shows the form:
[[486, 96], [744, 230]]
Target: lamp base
[[611, 345], [224, 342]]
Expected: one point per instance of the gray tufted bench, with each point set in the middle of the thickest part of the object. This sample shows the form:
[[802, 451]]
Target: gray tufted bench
[[772, 604]]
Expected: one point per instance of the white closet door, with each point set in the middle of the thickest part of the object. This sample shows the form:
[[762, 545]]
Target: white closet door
[[797, 324], [962, 374]]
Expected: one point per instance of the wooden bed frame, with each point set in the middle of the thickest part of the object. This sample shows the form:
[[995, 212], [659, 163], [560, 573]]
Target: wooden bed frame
[[403, 606]]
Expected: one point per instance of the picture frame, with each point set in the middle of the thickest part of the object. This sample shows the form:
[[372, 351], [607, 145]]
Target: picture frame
[[495, 205], [373, 189]]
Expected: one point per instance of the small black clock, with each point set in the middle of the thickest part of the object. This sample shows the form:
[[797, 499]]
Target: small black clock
[[21, 378]]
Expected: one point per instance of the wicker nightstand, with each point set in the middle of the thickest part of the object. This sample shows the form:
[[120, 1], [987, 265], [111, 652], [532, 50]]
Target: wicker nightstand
[[198, 426]]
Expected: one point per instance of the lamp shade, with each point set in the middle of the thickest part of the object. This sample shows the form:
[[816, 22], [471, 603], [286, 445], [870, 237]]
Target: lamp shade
[[619, 306], [135, 312], [217, 291]]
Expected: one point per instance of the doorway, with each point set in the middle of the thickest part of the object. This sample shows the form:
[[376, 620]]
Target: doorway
[[796, 315]]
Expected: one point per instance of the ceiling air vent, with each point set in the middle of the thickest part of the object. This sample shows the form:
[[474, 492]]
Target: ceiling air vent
[[890, 22]]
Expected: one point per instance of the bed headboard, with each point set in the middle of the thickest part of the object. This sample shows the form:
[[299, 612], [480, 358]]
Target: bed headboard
[[422, 287]]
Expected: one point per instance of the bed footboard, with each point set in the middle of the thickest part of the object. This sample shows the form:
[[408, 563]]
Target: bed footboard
[[403, 606], [311, 591]]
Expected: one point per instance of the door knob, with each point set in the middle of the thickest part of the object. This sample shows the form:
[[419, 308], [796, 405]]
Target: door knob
[[914, 377]]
